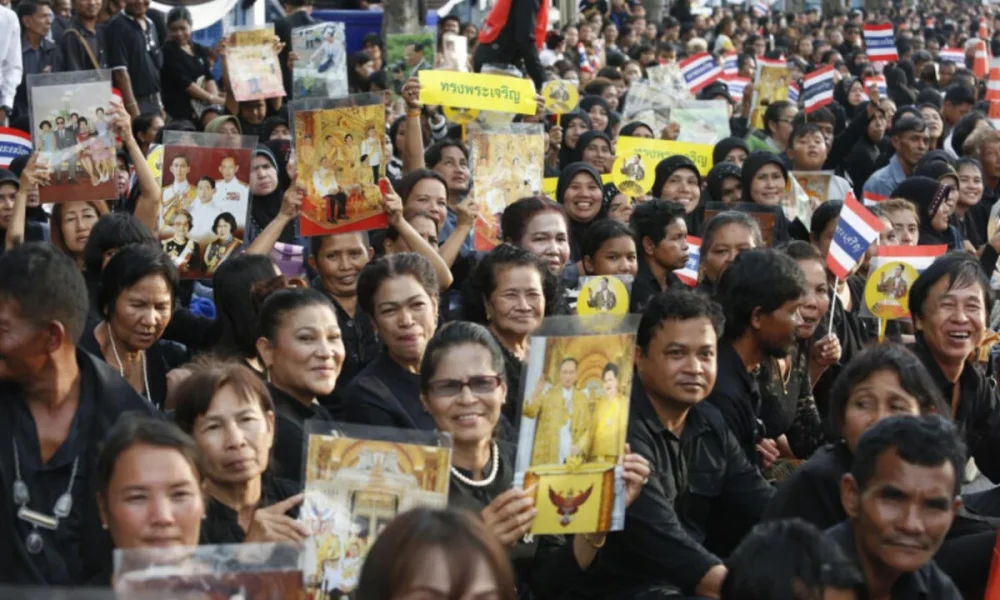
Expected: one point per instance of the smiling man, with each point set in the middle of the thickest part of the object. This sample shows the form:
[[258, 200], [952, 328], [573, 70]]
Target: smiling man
[[901, 497]]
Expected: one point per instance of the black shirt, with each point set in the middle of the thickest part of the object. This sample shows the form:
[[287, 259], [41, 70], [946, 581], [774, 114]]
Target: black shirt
[[737, 397], [222, 525], [702, 495], [645, 286], [928, 582], [74, 53], [33, 232], [78, 551], [812, 492], [137, 50], [387, 395], [290, 434], [180, 70]]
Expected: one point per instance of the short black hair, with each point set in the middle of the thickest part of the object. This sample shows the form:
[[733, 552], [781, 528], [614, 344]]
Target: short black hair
[[677, 305], [773, 113], [650, 219], [927, 441], [799, 250], [210, 181], [960, 268], [602, 231], [483, 282], [134, 429], [823, 215], [377, 272], [762, 278], [432, 156], [128, 267], [959, 94], [46, 285], [113, 232], [411, 179], [459, 333], [228, 218], [729, 217], [787, 559], [912, 374], [802, 130], [316, 242], [236, 328], [515, 218], [277, 304]]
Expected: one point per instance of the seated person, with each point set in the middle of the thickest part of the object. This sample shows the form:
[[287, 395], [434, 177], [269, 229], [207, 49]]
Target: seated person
[[901, 497]]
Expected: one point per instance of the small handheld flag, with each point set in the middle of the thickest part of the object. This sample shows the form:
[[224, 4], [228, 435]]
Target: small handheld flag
[[953, 55], [13, 143], [918, 257], [689, 274], [878, 81], [871, 198], [730, 64], [699, 71], [880, 43], [737, 86], [857, 228], [793, 93], [817, 88]]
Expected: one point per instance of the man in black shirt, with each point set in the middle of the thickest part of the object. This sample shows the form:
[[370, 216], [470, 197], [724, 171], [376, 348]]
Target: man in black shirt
[[760, 295], [82, 42], [34, 231], [57, 404], [901, 497], [661, 239], [702, 493], [134, 53], [298, 13]]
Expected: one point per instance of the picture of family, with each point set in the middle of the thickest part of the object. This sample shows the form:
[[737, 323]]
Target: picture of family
[[206, 199], [73, 137], [354, 488], [321, 68], [251, 54], [574, 423], [342, 157]]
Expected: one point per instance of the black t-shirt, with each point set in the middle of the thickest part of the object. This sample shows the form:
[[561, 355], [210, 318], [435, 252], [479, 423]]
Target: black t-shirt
[[387, 395], [180, 70], [136, 49]]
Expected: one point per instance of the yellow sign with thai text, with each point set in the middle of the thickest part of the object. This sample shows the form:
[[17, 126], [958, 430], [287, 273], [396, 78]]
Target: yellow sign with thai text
[[475, 90], [653, 151]]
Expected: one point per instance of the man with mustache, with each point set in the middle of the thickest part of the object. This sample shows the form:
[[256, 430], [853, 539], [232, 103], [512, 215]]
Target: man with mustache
[[901, 497], [760, 294], [702, 491]]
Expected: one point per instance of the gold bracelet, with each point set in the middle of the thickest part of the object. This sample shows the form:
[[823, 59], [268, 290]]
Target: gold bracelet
[[413, 112], [590, 543]]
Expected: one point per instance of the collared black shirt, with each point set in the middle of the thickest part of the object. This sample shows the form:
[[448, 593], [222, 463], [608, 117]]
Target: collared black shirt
[[138, 50], [78, 551], [812, 492], [75, 57], [977, 417], [737, 397], [290, 434], [387, 395], [701, 498], [180, 70], [222, 524], [928, 582], [645, 286]]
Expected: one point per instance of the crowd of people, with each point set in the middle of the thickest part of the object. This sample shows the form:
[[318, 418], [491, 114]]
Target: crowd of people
[[782, 442]]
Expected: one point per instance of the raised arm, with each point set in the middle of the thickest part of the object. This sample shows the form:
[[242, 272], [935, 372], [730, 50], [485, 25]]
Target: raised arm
[[413, 148], [33, 174], [147, 206], [393, 206], [291, 205]]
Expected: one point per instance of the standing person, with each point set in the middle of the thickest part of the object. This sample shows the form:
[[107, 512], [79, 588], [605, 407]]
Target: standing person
[[661, 241], [38, 54], [901, 497], [58, 405], [83, 41], [11, 68], [298, 13], [371, 153], [513, 33], [188, 83], [135, 57]]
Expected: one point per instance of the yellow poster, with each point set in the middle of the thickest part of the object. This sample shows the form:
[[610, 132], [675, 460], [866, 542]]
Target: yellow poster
[[560, 96], [354, 488], [475, 90], [632, 175], [573, 428], [770, 85], [887, 291], [653, 151]]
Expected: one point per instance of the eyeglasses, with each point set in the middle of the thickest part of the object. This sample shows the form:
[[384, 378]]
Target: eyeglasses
[[449, 388]]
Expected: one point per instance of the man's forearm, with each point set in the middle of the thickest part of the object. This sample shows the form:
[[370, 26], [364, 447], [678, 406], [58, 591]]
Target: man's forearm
[[123, 82]]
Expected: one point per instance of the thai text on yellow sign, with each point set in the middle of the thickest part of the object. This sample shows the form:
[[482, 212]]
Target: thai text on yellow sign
[[475, 90], [653, 151]]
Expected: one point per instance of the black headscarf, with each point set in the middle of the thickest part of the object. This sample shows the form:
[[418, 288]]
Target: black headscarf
[[755, 161], [628, 130], [577, 230], [263, 209], [588, 102], [268, 126], [666, 167], [585, 138], [723, 147], [713, 184], [567, 152], [927, 195]]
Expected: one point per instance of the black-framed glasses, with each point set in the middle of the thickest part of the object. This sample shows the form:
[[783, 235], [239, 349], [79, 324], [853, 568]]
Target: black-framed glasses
[[449, 388]]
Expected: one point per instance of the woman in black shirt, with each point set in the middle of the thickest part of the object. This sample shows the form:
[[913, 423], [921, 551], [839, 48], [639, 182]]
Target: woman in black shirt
[[226, 408], [188, 85]]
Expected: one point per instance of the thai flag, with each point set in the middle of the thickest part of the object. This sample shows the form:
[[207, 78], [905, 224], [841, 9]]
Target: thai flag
[[689, 274], [918, 257], [793, 93], [856, 230], [759, 8], [871, 198], [699, 71], [817, 88], [955, 55], [730, 64], [880, 43], [737, 86], [878, 80], [13, 143]]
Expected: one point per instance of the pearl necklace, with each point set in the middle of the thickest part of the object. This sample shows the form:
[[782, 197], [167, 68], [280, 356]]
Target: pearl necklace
[[121, 367], [489, 478]]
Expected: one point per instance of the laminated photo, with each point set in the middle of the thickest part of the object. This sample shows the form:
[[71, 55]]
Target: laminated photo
[[321, 68], [701, 121], [357, 479], [406, 54], [72, 133], [253, 64]]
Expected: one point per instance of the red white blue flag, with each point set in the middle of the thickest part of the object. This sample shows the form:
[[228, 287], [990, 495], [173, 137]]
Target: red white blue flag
[[699, 71], [730, 64], [871, 198], [918, 257], [689, 274], [737, 86], [880, 43], [857, 228], [13, 143], [817, 88], [954, 55]]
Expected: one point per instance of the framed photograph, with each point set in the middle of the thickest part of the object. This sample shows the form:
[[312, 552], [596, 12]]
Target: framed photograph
[[253, 64], [71, 131], [206, 199], [321, 69], [406, 54], [357, 479]]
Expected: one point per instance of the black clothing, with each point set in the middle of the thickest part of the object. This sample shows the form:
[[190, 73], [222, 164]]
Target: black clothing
[[180, 70], [33, 232], [74, 54], [976, 415], [702, 497], [515, 42], [928, 582], [78, 551], [47, 58], [388, 395], [283, 28], [737, 397], [137, 50], [221, 524], [645, 286], [787, 405], [289, 432]]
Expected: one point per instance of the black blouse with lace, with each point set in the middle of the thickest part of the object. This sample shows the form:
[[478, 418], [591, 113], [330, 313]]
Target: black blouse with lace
[[787, 404]]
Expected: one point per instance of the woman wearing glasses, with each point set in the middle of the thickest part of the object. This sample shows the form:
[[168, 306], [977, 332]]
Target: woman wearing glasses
[[463, 387]]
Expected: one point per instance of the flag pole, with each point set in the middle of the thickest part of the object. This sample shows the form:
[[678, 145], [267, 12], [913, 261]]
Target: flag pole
[[833, 305]]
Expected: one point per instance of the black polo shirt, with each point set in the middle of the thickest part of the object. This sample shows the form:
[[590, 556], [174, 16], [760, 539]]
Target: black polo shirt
[[926, 583], [78, 551], [386, 394], [645, 286], [290, 432], [75, 56], [737, 397], [138, 50], [702, 494]]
